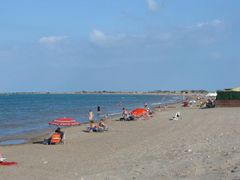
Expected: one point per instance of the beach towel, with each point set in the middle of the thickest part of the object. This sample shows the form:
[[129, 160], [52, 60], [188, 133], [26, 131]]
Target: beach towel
[[7, 163]]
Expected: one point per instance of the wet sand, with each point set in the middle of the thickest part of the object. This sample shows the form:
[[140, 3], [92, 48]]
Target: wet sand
[[202, 144]]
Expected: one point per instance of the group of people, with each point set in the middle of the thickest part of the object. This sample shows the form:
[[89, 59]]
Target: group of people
[[59, 137], [127, 116], [210, 103], [96, 127]]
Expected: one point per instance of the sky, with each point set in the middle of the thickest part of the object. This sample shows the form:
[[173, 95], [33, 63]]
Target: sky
[[127, 45]]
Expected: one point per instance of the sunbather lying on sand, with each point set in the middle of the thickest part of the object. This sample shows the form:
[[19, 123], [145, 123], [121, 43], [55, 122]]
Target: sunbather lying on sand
[[100, 127]]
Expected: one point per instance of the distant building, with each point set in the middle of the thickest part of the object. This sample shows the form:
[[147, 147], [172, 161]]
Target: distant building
[[228, 98]]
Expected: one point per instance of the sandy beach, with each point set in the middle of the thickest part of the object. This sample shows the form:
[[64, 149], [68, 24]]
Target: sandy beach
[[203, 144]]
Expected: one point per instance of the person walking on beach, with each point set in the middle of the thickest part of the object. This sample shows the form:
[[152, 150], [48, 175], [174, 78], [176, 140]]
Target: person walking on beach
[[90, 116]]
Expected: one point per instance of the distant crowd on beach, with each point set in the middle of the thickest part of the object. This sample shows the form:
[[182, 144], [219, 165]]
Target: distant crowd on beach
[[125, 116]]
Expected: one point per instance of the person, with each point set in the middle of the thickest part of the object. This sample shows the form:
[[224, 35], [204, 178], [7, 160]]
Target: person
[[149, 111], [126, 115], [102, 125], [58, 130], [2, 159], [90, 116], [56, 137], [98, 110], [92, 127], [210, 103]]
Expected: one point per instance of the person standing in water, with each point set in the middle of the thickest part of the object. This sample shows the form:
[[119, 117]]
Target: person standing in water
[[98, 110]]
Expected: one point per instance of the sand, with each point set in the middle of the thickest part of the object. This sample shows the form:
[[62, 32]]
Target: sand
[[202, 144]]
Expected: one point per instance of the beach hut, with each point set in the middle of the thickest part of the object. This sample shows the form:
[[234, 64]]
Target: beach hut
[[228, 98], [64, 122]]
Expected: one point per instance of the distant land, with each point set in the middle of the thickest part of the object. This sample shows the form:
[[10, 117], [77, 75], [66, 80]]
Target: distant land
[[117, 92]]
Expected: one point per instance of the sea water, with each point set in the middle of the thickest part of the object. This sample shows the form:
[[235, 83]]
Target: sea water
[[26, 113]]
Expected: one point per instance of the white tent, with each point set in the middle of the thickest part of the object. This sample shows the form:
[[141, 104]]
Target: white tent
[[214, 94]]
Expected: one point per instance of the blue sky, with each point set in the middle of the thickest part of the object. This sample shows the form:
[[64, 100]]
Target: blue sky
[[123, 45]]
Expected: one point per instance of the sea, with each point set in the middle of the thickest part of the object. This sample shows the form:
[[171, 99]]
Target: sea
[[26, 113]]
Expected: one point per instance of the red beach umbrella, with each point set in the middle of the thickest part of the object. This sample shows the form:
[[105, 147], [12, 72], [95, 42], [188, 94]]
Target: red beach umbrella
[[64, 122], [139, 112]]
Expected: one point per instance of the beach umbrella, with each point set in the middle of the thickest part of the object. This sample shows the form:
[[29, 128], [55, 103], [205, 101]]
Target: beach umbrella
[[64, 122], [139, 112]]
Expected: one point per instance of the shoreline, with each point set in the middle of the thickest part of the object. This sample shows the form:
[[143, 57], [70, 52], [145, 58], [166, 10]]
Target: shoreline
[[37, 137], [104, 93], [30, 137]]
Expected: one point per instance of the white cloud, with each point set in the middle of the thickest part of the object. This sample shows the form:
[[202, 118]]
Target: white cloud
[[100, 38], [205, 33], [212, 23], [216, 23], [152, 5], [50, 40]]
